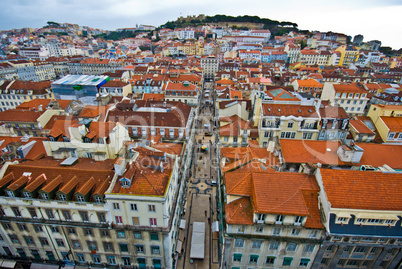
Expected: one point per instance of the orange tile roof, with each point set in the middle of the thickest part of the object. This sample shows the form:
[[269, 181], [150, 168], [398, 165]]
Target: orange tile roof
[[34, 104], [17, 115], [153, 96], [310, 151], [279, 110], [239, 212], [379, 154], [360, 127], [362, 189], [393, 123], [348, 88], [309, 83]]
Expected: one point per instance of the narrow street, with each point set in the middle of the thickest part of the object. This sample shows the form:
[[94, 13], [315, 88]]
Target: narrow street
[[201, 191]]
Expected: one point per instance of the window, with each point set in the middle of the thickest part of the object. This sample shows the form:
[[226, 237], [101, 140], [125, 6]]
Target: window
[[126, 261], [291, 247], [287, 261], [14, 238], [309, 248], [274, 245], [38, 228], [121, 234], [298, 220], [256, 244], [76, 244], [313, 234], [60, 242], [116, 206], [16, 212], [91, 245], [276, 231], [27, 195], [154, 236], [137, 235], [295, 232], [22, 227], [261, 217], [373, 250], [155, 250], [136, 221], [102, 217], [123, 247], [353, 262], [88, 232], [29, 240], [253, 259], [71, 230], [290, 124], [43, 241], [32, 212], [111, 260], [237, 257], [104, 233], [152, 221], [324, 261], [62, 197], [259, 229], [279, 219], [270, 260], [360, 249], [240, 229], [66, 215], [119, 220], [80, 257], [45, 196], [304, 262], [239, 243], [139, 248], [134, 207], [49, 213], [84, 216]]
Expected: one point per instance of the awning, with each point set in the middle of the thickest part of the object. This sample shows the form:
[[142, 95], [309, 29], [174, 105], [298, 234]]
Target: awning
[[215, 226], [182, 224], [343, 215], [179, 246], [7, 264], [376, 216], [43, 265]]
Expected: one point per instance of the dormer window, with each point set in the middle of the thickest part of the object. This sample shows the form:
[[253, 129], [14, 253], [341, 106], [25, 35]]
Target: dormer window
[[87, 140], [101, 140], [66, 139], [260, 218], [62, 197], [279, 219], [125, 182], [98, 199], [45, 196], [10, 194], [27, 195], [298, 220], [80, 198]]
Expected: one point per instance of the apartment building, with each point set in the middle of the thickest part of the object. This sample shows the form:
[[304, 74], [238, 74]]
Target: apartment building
[[210, 66], [113, 213], [362, 232], [183, 92], [349, 96], [261, 234], [14, 93], [145, 118], [287, 122]]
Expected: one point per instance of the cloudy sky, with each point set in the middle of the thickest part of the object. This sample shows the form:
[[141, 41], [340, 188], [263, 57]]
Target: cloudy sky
[[375, 19]]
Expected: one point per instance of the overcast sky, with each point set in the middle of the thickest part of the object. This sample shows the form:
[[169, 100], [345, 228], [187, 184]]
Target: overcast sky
[[374, 19]]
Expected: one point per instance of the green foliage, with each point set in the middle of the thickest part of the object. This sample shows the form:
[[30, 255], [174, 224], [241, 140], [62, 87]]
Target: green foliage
[[118, 35], [268, 24], [52, 23]]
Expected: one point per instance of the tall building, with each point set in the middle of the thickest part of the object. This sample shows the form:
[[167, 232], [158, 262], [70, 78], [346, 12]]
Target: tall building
[[358, 39], [210, 66]]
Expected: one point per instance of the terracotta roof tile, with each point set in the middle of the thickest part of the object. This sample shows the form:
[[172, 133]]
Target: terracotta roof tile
[[362, 189], [239, 212], [87, 186], [289, 110], [34, 184]]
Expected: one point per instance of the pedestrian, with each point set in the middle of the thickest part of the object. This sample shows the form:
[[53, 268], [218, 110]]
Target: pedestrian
[[205, 213]]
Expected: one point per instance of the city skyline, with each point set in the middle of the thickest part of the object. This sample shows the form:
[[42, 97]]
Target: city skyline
[[348, 18]]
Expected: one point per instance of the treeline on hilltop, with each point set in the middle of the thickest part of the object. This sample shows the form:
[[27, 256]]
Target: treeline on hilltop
[[276, 27]]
